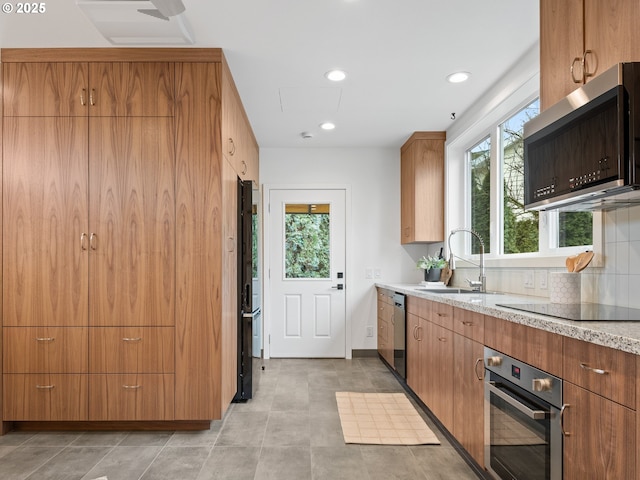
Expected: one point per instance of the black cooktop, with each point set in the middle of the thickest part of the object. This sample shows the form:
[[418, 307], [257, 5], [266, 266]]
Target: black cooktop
[[593, 312]]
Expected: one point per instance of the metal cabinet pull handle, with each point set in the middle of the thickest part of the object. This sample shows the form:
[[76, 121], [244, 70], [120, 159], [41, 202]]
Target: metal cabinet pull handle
[[131, 339], [468, 324], [45, 387], [419, 335], [599, 371], [93, 241], [131, 387], [442, 314], [92, 100], [586, 73], [475, 368], [83, 241], [82, 100], [562, 410], [573, 76], [232, 147], [244, 167], [442, 339], [45, 339]]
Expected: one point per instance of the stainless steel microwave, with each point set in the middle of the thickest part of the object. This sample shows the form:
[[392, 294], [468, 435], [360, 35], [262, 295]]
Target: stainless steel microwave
[[583, 152]]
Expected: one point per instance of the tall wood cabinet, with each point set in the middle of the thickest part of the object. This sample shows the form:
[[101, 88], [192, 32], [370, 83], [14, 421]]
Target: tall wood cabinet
[[422, 188], [116, 302], [580, 39]]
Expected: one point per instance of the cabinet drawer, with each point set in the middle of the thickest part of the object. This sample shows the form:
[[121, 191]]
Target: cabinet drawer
[[131, 397], [419, 307], [131, 350], [442, 314], [44, 397], [536, 347], [469, 324], [45, 350], [602, 370]]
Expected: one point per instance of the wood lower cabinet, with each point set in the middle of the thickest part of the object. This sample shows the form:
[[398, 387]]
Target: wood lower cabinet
[[127, 397], [45, 397], [413, 353], [468, 396], [600, 439], [385, 326], [438, 386]]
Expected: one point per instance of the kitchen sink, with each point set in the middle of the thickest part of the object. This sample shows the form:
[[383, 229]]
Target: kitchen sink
[[451, 291]]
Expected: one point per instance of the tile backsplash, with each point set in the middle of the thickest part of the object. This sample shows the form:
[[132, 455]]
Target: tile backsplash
[[617, 282]]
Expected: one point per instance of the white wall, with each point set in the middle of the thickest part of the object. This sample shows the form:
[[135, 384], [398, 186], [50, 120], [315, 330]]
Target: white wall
[[373, 177]]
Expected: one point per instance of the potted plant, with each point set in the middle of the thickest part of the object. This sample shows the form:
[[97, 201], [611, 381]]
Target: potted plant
[[432, 267]]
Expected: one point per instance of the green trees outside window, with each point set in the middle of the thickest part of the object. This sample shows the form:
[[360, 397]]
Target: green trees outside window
[[307, 241]]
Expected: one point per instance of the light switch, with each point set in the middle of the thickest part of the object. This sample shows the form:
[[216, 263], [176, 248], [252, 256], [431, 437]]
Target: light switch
[[542, 279], [377, 273], [368, 273], [529, 279]]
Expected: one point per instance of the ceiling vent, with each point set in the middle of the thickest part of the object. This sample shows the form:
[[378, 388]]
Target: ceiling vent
[[139, 22]]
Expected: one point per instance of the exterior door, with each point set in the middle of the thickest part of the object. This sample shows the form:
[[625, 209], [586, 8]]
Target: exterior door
[[307, 273]]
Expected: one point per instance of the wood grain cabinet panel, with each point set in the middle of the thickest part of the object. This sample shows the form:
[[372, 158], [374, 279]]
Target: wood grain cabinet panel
[[441, 314], [536, 347], [45, 350], [414, 365], [438, 387], [131, 397], [132, 240], [601, 440], [45, 221], [602, 370], [45, 397], [469, 324], [131, 89], [45, 89], [422, 188], [131, 350]]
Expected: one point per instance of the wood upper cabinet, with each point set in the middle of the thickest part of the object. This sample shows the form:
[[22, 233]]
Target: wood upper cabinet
[[45, 221], [132, 228], [600, 439], [239, 144], [601, 33], [119, 89], [422, 188], [45, 89]]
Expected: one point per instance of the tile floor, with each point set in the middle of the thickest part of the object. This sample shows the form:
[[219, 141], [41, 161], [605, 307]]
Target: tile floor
[[290, 430]]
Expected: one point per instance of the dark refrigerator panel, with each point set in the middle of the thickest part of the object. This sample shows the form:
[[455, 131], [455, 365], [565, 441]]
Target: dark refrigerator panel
[[245, 280]]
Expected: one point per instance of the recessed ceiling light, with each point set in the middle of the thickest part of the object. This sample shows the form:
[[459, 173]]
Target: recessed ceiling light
[[327, 126], [336, 75], [458, 77]]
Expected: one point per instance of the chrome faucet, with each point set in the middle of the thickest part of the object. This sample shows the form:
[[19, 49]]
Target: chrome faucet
[[479, 285]]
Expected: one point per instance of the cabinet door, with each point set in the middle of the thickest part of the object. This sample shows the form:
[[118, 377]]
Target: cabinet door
[[611, 33], [131, 89], [132, 239], [600, 437], [407, 195], [45, 350], [468, 396], [414, 365], [439, 387], [45, 397], [45, 222], [45, 89], [561, 40]]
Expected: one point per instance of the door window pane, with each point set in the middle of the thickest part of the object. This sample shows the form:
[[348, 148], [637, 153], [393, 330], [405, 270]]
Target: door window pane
[[520, 227], [480, 168], [307, 241]]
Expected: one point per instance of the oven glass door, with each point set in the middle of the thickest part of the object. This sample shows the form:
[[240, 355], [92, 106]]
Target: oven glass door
[[520, 430]]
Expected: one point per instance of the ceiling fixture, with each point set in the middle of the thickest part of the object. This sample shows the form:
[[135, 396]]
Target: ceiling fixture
[[306, 135], [336, 75], [327, 126], [458, 77]]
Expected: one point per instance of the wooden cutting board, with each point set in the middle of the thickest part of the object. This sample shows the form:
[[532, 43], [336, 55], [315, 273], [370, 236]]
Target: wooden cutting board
[[582, 261], [445, 275]]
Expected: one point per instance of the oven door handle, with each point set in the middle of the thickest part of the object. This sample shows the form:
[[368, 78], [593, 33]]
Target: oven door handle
[[534, 414]]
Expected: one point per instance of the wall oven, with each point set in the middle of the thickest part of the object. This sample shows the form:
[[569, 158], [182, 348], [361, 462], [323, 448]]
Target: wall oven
[[523, 436]]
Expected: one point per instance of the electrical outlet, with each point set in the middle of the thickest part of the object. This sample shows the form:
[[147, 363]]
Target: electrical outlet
[[369, 331], [529, 277], [542, 279]]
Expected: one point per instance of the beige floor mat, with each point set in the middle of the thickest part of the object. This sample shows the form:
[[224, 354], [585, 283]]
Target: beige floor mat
[[382, 419]]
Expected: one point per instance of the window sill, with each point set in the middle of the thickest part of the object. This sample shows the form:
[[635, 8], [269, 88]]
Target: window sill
[[534, 260]]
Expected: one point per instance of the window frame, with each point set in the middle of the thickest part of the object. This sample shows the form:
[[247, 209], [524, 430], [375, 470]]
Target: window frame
[[484, 120]]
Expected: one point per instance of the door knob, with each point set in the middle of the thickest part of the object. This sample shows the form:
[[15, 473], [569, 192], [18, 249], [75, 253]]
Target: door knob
[[339, 286]]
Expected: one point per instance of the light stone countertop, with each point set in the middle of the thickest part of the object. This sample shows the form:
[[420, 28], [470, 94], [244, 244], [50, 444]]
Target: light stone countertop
[[622, 335]]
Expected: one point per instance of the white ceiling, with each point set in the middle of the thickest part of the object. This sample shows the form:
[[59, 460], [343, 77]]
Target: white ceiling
[[397, 54]]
